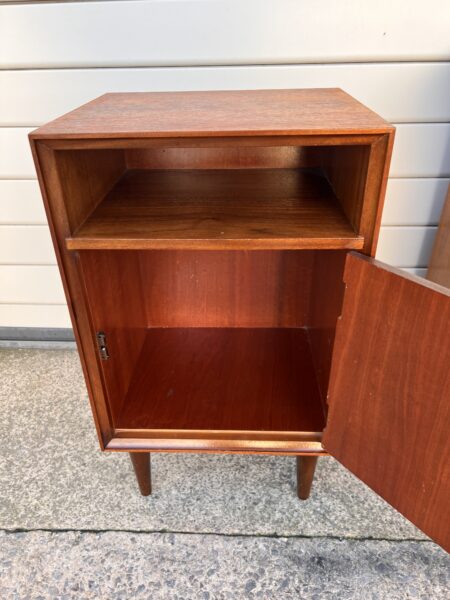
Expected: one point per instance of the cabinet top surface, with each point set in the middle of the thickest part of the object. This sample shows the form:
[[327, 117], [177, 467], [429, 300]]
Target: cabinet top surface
[[211, 114]]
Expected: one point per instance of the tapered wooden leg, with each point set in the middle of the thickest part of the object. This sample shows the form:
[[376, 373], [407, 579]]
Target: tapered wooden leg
[[306, 465], [141, 466]]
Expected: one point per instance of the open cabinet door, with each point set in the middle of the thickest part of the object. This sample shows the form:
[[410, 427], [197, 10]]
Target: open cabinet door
[[389, 393]]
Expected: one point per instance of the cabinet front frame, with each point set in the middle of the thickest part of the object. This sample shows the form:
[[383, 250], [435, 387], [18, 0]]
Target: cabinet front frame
[[46, 153]]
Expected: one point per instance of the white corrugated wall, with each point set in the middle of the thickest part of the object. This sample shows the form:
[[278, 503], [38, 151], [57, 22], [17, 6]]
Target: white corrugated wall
[[391, 55]]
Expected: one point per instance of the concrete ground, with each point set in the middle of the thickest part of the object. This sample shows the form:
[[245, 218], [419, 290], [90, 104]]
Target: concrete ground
[[74, 525]]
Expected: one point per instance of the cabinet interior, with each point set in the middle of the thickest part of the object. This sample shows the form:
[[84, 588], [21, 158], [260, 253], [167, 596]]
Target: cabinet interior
[[286, 197], [216, 275], [216, 340]]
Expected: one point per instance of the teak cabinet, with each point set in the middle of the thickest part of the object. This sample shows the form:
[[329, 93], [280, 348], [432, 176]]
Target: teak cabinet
[[215, 249]]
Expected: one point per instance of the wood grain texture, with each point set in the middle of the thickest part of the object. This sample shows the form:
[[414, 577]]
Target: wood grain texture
[[57, 214], [375, 190], [216, 209], [306, 467], [421, 150], [115, 298], [86, 177], [246, 383], [439, 266], [327, 290], [414, 202], [190, 114], [358, 176], [142, 470], [211, 443], [389, 394], [231, 157], [217, 141], [223, 288], [223, 441], [346, 169], [224, 379]]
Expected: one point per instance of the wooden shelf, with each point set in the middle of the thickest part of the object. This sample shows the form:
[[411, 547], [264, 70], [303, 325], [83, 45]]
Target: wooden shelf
[[218, 209], [224, 379]]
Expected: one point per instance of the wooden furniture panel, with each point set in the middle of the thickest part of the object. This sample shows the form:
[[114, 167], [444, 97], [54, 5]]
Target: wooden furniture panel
[[86, 177], [245, 208], [243, 113], [117, 308], [228, 157], [346, 169], [224, 379], [327, 290], [439, 267], [374, 191], [220, 141], [226, 288], [60, 190], [358, 176], [389, 406]]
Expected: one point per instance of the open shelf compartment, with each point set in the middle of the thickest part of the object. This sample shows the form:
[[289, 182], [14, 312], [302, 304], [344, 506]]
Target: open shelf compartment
[[218, 208]]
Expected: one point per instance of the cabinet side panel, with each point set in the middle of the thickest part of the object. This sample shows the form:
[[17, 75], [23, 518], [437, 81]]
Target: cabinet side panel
[[327, 292], [358, 176], [86, 177], [226, 288], [346, 168], [114, 293], [56, 201], [375, 191]]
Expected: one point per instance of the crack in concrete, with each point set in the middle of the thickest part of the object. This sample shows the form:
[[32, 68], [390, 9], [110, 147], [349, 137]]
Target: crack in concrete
[[218, 534]]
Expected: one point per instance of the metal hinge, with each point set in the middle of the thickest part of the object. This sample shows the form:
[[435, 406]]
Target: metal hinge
[[101, 343]]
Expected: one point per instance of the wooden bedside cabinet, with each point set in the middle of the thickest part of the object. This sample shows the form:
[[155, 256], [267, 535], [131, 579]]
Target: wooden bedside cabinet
[[215, 249]]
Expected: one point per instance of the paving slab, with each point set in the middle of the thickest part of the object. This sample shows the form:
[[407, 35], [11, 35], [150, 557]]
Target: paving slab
[[116, 565], [53, 476]]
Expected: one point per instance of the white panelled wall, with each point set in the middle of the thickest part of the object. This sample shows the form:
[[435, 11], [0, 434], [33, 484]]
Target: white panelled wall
[[56, 56]]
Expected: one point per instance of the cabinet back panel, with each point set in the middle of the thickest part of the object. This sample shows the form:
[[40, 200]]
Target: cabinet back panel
[[170, 288], [239, 157], [226, 288]]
